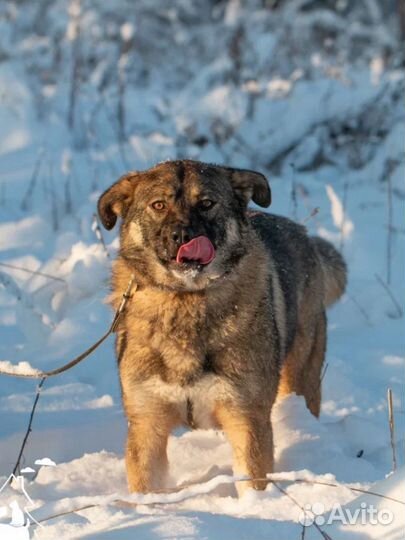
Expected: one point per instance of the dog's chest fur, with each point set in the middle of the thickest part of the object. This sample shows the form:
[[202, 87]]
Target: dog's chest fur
[[184, 331], [171, 353], [188, 347]]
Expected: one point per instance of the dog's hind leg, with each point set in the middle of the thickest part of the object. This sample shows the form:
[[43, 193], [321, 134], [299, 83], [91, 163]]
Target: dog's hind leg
[[251, 439], [301, 370]]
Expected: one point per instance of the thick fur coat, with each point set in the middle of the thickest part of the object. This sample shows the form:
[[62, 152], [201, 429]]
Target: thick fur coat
[[214, 345]]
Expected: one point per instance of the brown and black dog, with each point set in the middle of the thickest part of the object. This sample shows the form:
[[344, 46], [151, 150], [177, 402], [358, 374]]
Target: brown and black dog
[[229, 311]]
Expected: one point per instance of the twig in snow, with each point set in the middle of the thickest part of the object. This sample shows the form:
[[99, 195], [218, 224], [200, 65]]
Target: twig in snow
[[400, 311], [389, 229], [33, 272], [325, 369], [33, 182], [125, 47], [303, 532], [44, 286], [74, 35], [69, 512], [16, 470], [236, 47], [401, 16], [293, 193], [25, 299], [296, 503], [224, 481], [360, 308], [396, 230], [392, 428], [93, 135], [355, 490], [314, 212], [121, 104], [279, 478], [68, 196], [115, 128], [97, 231], [389, 167], [51, 193]]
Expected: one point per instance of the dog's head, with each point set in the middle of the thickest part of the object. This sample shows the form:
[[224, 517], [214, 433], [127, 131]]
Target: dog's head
[[183, 222]]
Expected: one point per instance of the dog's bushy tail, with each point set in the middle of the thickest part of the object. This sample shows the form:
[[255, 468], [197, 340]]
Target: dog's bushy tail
[[334, 270]]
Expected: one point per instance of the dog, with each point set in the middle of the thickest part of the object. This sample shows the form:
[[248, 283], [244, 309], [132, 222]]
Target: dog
[[228, 315]]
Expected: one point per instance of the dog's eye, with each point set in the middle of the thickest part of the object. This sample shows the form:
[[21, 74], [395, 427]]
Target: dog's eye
[[158, 205], [206, 204]]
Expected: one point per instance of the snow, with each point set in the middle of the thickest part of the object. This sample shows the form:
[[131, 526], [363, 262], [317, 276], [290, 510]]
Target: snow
[[21, 368], [127, 31], [45, 462], [279, 90], [19, 235], [338, 213]]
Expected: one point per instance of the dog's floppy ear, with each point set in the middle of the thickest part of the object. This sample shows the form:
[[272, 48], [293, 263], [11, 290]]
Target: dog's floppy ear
[[115, 200], [252, 185]]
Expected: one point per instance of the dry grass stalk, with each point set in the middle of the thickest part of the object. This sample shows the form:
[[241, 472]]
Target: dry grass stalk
[[392, 428], [399, 311]]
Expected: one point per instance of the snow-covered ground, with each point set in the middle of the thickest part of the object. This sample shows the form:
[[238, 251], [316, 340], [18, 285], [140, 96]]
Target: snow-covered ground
[[311, 97]]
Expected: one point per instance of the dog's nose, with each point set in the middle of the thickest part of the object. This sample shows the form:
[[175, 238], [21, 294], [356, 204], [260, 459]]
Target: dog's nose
[[181, 235]]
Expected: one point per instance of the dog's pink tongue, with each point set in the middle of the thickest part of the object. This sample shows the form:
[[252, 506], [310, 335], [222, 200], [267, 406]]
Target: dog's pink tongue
[[198, 249]]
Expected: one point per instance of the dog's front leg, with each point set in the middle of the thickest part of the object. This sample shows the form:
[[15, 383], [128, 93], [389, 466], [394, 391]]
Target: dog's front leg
[[251, 438], [146, 455]]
